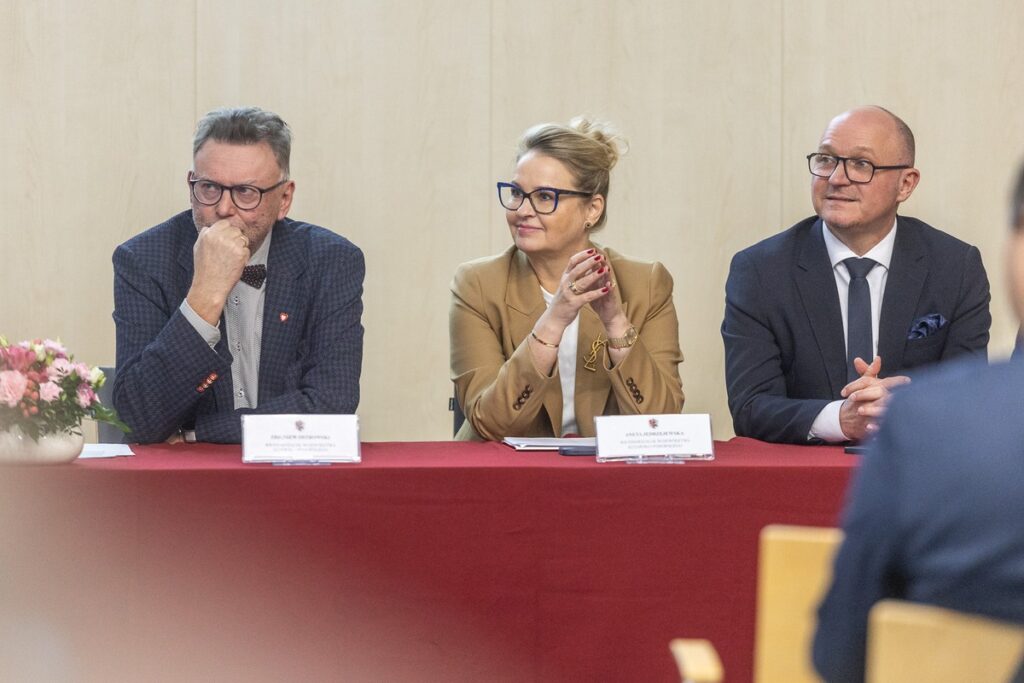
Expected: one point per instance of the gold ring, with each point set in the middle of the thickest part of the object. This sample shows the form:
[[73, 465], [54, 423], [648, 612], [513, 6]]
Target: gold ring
[[572, 286]]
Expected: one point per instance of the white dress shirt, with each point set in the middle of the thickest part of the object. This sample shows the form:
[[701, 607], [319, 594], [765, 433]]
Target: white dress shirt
[[826, 424], [567, 369]]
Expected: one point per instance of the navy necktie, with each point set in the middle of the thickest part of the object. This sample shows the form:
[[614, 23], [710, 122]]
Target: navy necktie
[[254, 275], [858, 315]]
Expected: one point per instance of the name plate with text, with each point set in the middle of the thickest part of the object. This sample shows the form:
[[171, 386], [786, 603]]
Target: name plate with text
[[654, 438], [300, 439]]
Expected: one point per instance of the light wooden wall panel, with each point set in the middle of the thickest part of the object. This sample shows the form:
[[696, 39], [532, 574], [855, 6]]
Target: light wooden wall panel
[[406, 113], [95, 100]]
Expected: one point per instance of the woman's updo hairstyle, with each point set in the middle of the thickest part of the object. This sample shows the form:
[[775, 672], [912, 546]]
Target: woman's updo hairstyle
[[589, 149]]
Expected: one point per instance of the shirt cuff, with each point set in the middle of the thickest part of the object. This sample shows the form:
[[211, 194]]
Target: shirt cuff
[[209, 333], [826, 425]]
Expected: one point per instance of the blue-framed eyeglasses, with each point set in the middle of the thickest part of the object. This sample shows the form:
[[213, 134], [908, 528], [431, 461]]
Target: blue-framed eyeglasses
[[544, 200]]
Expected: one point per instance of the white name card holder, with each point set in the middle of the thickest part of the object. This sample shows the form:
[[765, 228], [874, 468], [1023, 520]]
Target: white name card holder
[[654, 438], [300, 439]]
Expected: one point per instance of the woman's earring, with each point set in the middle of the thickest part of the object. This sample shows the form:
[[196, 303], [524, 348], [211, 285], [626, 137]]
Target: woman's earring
[[586, 226]]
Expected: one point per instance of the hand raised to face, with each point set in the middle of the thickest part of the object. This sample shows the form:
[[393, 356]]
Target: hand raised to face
[[219, 255]]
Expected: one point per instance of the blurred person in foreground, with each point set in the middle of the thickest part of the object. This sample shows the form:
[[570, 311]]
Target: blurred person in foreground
[[824, 319], [557, 329], [232, 307], [934, 513]]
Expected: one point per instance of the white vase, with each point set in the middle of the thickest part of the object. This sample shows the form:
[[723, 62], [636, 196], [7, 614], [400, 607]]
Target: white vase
[[19, 449]]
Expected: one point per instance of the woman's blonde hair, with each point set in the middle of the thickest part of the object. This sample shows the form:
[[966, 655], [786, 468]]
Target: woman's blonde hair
[[589, 149]]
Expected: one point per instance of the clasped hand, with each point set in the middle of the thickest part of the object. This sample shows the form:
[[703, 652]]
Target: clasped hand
[[588, 279], [866, 399]]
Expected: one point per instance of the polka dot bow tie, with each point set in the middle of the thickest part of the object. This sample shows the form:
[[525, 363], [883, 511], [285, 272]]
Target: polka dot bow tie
[[254, 275]]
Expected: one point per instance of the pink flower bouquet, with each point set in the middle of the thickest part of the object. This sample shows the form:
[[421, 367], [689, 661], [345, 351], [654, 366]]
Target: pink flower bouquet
[[44, 391]]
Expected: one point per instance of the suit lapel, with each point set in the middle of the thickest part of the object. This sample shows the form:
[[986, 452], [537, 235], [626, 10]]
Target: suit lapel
[[185, 246], [908, 271], [522, 298], [282, 308], [525, 305], [817, 286]]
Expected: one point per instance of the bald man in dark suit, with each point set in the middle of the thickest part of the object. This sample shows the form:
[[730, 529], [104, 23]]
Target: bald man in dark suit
[[824, 319]]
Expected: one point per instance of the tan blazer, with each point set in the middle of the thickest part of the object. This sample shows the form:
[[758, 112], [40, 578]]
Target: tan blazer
[[495, 303]]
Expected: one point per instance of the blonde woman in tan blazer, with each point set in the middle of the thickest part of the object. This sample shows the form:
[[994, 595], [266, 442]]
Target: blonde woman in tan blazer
[[556, 329]]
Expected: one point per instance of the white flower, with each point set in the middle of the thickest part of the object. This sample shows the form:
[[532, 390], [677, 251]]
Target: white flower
[[61, 367]]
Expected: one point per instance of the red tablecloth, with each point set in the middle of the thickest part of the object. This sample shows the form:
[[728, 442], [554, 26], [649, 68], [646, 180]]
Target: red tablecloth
[[426, 562]]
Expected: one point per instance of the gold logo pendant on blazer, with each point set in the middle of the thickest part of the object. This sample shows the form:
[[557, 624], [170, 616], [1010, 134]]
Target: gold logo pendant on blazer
[[590, 360]]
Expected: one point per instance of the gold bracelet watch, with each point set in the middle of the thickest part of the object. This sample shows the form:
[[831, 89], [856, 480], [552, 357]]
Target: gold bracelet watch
[[626, 341]]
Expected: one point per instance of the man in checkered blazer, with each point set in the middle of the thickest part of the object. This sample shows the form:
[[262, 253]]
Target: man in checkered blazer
[[232, 307]]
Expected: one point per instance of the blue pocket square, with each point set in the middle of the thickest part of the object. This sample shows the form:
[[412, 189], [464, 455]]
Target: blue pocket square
[[926, 326]]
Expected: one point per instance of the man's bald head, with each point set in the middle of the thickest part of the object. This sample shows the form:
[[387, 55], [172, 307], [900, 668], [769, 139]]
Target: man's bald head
[[882, 116]]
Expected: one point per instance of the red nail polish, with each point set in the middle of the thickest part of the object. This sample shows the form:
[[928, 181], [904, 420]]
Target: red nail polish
[[601, 270], [597, 258], [590, 251], [604, 290]]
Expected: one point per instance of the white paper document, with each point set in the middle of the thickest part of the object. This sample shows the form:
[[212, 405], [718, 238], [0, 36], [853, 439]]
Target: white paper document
[[534, 443], [654, 438], [105, 450], [300, 439]]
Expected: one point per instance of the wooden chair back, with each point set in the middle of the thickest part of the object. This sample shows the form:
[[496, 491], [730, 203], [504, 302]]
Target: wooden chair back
[[914, 642], [795, 569]]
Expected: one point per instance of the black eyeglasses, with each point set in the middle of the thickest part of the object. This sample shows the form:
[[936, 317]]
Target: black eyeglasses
[[544, 200], [857, 170], [245, 197]]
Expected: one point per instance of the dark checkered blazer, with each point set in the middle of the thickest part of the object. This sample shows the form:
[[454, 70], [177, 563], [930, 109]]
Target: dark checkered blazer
[[312, 349]]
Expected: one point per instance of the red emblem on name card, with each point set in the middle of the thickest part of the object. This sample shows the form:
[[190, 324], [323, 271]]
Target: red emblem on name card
[[653, 423]]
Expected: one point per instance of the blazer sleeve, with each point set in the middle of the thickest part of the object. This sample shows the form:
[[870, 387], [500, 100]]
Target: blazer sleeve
[[969, 329], [500, 396], [868, 566], [647, 380], [330, 370], [161, 359], [758, 399]]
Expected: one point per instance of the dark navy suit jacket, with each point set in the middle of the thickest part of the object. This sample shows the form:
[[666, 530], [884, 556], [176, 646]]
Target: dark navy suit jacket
[[785, 351], [934, 514], [311, 354]]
